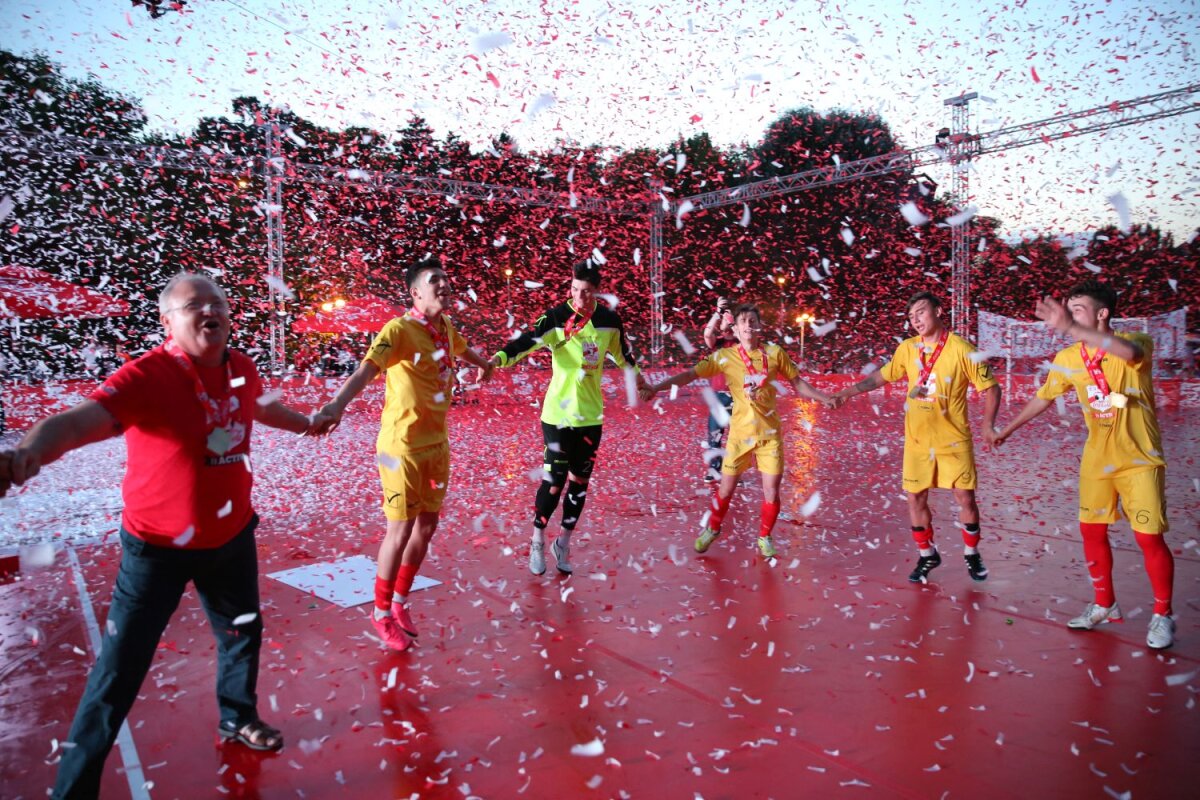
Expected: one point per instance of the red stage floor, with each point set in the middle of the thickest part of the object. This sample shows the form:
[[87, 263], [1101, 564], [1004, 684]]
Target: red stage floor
[[716, 676]]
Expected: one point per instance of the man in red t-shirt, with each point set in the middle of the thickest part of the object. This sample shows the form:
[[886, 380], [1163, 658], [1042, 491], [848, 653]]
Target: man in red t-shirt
[[186, 409]]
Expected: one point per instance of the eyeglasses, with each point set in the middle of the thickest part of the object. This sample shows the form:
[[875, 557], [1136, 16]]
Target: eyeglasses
[[196, 307]]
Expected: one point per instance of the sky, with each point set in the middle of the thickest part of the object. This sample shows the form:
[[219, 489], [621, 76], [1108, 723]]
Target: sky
[[633, 74]]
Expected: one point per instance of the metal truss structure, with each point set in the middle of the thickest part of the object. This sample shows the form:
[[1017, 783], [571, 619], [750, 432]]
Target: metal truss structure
[[275, 170], [960, 147]]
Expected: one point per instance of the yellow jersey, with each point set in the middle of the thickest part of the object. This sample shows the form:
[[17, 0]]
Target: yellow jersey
[[937, 421], [754, 414], [1120, 440], [419, 386]]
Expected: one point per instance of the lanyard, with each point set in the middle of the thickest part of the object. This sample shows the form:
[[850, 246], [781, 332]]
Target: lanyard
[[572, 326], [1093, 368], [927, 368], [748, 362], [217, 413], [441, 341]]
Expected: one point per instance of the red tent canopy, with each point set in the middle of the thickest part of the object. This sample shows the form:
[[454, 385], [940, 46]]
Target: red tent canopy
[[27, 293], [366, 314]]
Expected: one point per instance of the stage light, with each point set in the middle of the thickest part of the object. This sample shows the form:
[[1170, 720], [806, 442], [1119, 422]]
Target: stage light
[[327, 306]]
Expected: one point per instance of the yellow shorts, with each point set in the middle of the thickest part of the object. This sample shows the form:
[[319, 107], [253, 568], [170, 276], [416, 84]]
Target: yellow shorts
[[924, 469], [767, 453], [414, 482], [1142, 494]]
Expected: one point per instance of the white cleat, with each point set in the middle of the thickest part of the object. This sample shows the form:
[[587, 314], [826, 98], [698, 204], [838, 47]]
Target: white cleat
[[1094, 615], [561, 556], [537, 558], [1162, 632]]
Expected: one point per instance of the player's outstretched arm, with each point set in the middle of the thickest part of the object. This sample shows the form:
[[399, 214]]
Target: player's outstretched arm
[[867, 384], [680, 379], [331, 412], [486, 366], [277, 415], [991, 404], [53, 437], [806, 389], [1056, 316], [1035, 406]]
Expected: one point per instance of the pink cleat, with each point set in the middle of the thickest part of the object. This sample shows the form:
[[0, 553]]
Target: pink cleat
[[404, 619], [390, 633]]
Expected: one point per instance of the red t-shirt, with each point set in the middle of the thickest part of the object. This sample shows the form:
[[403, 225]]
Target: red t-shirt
[[178, 492]]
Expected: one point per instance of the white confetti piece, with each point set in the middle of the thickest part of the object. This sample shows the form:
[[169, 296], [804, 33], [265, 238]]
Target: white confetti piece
[[1121, 206], [280, 287], [684, 344], [243, 619], [1180, 678], [266, 398], [912, 214], [184, 538], [811, 505], [491, 41], [590, 749], [962, 217], [36, 555]]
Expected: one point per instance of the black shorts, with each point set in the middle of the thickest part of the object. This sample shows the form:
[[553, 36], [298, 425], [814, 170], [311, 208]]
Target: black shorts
[[575, 447]]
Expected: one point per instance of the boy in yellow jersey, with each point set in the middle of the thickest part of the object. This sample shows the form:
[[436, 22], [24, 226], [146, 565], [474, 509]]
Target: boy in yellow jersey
[[1122, 458], [751, 368], [938, 449], [417, 352], [578, 334]]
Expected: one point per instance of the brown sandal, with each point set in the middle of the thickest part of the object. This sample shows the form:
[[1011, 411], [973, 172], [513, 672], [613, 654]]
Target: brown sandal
[[256, 734]]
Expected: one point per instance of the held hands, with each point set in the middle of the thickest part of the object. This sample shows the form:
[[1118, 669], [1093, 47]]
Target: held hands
[[319, 424], [646, 392], [325, 421], [991, 438], [484, 374]]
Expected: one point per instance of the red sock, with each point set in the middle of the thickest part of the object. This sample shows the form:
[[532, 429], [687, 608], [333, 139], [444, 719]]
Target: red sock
[[1098, 553], [383, 593], [718, 507], [971, 537], [770, 512], [405, 578], [923, 536], [1160, 566]]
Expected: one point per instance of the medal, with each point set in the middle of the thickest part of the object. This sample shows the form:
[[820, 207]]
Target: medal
[[1115, 399], [751, 382], [218, 414], [219, 441], [572, 326], [919, 390], [441, 343]]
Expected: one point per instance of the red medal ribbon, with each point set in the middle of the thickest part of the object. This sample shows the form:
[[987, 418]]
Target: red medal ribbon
[[1093, 368], [441, 340], [572, 326], [927, 368], [748, 362], [217, 413]]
